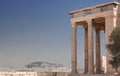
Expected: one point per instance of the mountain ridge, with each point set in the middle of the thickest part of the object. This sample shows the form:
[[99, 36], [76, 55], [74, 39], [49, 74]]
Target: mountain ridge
[[43, 64]]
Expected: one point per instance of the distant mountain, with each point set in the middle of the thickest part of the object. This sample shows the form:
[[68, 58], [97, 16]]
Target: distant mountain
[[43, 65]]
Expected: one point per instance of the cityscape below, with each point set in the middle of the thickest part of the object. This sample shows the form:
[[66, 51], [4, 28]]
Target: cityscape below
[[45, 69]]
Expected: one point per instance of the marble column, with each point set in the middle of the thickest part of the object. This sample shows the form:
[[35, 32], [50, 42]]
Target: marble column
[[74, 49], [90, 48], [86, 50], [110, 24], [98, 54]]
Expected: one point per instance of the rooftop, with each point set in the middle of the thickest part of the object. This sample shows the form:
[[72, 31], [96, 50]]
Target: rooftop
[[93, 7]]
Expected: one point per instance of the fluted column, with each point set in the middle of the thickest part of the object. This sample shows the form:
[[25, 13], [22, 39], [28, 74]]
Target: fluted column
[[86, 50], [98, 54], [90, 48], [74, 49]]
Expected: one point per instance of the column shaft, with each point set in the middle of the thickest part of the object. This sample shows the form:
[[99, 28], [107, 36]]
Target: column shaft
[[98, 54], [86, 50], [74, 50], [110, 24], [90, 48]]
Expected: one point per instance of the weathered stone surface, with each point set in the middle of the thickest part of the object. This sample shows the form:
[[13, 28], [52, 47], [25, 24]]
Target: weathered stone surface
[[74, 50], [98, 53], [90, 48], [86, 50]]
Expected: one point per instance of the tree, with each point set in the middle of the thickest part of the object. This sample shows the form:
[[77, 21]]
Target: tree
[[114, 47]]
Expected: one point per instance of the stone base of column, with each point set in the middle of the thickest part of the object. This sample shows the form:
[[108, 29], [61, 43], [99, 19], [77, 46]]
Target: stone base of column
[[110, 72], [74, 74]]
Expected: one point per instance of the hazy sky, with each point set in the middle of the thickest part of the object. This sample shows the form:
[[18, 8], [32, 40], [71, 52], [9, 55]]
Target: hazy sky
[[40, 30]]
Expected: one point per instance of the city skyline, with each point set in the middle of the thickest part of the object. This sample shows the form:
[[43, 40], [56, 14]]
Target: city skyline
[[37, 30]]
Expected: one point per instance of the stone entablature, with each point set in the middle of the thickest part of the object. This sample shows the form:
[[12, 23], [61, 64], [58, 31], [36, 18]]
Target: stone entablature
[[94, 9]]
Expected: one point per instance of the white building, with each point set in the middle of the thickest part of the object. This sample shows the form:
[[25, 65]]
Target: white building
[[61, 69], [103, 59], [9, 73]]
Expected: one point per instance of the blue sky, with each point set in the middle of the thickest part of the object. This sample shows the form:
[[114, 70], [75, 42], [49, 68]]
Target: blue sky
[[40, 30]]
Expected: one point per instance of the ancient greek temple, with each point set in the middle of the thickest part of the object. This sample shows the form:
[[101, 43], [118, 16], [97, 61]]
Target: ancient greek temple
[[95, 18]]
